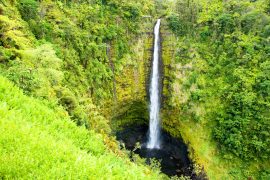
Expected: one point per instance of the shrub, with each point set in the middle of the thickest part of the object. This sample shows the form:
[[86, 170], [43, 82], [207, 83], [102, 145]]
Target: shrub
[[175, 24], [226, 23], [28, 9]]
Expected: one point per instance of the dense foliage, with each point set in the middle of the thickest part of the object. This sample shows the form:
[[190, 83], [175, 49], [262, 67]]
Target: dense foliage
[[69, 51], [225, 45], [84, 58], [38, 141], [67, 54]]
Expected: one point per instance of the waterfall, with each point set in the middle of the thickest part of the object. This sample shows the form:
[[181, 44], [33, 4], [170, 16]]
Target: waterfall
[[154, 126]]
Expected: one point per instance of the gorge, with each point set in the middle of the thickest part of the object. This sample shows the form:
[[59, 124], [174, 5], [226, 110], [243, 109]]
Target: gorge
[[125, 89], [154, 143]]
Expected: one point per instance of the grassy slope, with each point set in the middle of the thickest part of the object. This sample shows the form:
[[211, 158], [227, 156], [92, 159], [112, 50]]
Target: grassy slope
[[38, 140]]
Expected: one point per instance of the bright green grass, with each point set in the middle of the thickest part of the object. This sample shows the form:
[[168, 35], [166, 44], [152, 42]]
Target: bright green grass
[[38, 141]]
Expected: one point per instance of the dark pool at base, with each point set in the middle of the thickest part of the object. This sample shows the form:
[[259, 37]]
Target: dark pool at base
[[173, 153]]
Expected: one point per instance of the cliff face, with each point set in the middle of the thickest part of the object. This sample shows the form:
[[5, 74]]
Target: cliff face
[[177, 117], [131, 101], [168, 51], [181, 116], [189, 100], [130, 105]]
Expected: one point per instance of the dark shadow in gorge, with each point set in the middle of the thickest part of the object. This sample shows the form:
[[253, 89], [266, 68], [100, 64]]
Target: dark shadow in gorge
[[173, 154]]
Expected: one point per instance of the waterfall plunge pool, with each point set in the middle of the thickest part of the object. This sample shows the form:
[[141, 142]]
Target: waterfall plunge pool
[[172, 154], [154, 142]]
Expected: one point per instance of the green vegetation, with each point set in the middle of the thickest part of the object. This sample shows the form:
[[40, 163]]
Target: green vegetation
[[74, 53], [73, 72], [67, 58], [38, 141], [220, 90]]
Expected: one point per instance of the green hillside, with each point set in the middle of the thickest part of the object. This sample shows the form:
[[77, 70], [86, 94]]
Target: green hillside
[[39, 141]]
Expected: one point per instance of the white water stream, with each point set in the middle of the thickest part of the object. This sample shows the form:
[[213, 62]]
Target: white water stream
[[154, 126]]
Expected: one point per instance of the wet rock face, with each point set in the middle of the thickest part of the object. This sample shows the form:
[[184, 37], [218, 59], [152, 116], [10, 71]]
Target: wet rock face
[[173, 154]]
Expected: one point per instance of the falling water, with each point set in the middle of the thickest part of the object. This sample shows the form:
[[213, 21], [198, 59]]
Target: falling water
[[154, 129]]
